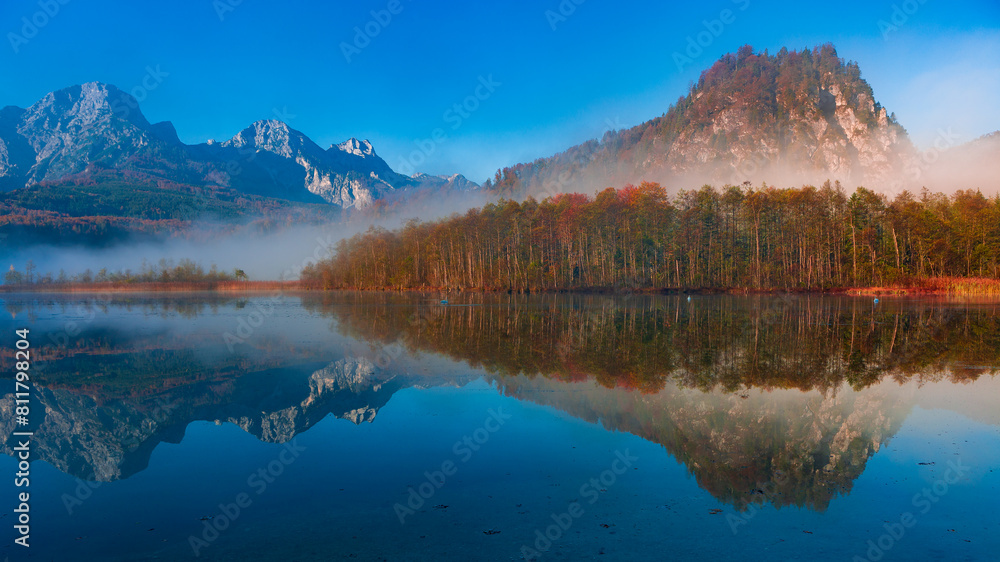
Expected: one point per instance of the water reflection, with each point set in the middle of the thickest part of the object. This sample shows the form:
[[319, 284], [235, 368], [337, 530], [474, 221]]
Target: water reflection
[[730, 343], [779, 400]]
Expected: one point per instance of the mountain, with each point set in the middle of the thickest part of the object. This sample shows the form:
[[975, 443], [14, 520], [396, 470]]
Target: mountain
[[273, 156], [66, 131], [456, 182], [795, 117], [83, 162], [77, 133], [733, 444]]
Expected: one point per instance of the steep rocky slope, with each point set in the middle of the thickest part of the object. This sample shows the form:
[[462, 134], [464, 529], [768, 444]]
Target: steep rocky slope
[[93, 132], [790, 118]]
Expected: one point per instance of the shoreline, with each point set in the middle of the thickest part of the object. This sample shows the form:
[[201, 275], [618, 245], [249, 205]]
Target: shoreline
[[168, 287], [931, 288]]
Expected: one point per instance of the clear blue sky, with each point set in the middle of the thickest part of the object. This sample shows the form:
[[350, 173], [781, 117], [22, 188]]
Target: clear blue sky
[[607, 64]]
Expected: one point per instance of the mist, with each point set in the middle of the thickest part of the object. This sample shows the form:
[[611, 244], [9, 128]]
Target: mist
[[281, 255], [945, 167], [278, 255]]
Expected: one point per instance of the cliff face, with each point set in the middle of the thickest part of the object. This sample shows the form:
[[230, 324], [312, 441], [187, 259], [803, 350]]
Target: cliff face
[[790, 118], [347, 174], [69, 129], [831, 140]]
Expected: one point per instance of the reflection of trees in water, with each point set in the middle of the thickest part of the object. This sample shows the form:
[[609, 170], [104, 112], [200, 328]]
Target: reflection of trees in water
[[87, 305], [112, 362], [697, 364], [730, 343], [14, 308]]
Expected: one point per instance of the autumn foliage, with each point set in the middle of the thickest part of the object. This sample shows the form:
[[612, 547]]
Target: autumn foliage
[[638, 237]]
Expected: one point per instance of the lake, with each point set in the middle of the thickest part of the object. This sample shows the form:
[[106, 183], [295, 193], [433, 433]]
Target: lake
[[497, 427]]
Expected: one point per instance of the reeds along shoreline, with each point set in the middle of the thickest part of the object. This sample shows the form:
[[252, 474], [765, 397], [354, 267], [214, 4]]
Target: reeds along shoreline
[[957, 286]]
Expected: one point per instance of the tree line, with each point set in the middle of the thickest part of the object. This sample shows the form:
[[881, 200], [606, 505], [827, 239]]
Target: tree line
[[184, 271], [638, 237]]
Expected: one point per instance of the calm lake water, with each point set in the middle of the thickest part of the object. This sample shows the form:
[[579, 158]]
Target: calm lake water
[[391, 427]]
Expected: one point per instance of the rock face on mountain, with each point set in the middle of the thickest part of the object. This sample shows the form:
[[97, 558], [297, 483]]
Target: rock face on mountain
[[456, 182], [16, 154], [67, 130], [346, 174], [76, 130], [790, 118]]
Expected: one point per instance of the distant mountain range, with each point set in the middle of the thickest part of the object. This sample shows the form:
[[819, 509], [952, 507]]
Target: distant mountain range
[[85, 160], [78, 130]]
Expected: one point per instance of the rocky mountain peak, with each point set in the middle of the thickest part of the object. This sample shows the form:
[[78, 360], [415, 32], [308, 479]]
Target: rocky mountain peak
[[88, 104], [273, 136], [95, 129], [789, 118], [72, 127], [447, 183], [354, 146]]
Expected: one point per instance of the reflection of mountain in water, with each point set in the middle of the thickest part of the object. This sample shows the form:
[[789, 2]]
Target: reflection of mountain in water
[[784, 447], [763, 399], [776, 399], [113, 438]]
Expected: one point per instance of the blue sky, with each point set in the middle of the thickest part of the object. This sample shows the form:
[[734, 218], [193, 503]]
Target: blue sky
[[559, 72]]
